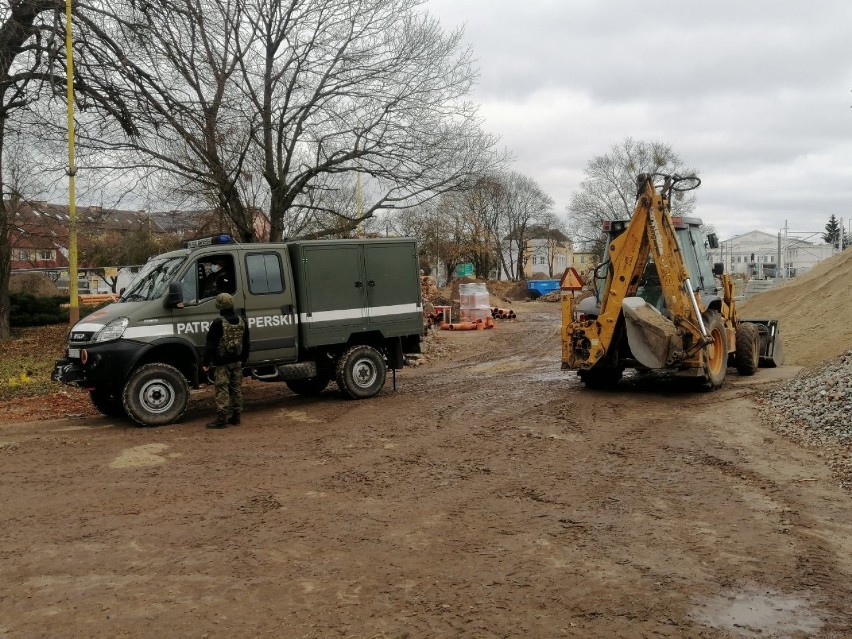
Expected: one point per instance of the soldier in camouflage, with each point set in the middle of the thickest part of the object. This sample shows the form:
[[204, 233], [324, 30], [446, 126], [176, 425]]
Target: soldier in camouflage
[[227, 349]]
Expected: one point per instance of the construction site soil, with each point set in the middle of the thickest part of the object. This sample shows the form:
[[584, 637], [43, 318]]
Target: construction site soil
[[489, 495]]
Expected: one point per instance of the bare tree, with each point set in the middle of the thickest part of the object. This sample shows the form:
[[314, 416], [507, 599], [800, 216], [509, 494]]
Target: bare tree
[[225, 93], [526, 204], [608, 191], [27, 34]]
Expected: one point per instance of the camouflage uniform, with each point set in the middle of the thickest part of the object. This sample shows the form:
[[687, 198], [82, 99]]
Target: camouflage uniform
[[228, 374], [228, 379]]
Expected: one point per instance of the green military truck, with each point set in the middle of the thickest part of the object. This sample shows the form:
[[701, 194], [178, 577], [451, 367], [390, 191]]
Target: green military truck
[[316, 310]]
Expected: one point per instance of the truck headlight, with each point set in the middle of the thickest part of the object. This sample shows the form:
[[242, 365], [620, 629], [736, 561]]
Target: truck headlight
[[113, 330]]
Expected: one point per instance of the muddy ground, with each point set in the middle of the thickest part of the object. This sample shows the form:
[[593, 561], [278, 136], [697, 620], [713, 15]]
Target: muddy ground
[[489, 496]]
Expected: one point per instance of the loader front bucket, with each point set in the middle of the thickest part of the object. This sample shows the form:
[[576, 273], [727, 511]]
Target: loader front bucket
[[651, 336], [771, 345]]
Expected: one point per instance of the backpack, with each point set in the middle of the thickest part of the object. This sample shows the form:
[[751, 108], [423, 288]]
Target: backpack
[[231, 343]]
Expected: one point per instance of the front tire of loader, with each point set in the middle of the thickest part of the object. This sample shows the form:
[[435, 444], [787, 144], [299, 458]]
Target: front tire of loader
[[715, 359], [747, 356]]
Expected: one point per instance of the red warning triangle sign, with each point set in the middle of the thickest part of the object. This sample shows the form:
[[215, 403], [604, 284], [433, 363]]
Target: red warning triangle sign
[[571, 280]]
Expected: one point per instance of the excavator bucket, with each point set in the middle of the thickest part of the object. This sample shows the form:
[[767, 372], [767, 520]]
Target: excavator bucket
[[771, 346], [651, 336]]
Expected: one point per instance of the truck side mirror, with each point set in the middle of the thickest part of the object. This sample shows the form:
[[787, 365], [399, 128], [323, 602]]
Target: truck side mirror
[[713, 240], [175, 297], [718, 268]]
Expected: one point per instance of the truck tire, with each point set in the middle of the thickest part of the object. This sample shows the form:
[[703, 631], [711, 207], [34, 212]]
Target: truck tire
[[108, 403], [361, 372], [155, 395], [310, 386], [601, 378], [715, 360], [748, 349]]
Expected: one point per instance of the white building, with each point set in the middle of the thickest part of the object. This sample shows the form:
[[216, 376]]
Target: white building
[[763, 255]]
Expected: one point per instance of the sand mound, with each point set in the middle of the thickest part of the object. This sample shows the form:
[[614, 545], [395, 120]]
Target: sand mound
[[814, 311]]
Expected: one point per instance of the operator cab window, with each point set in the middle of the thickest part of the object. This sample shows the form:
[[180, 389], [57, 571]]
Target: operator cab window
[[209, 276]]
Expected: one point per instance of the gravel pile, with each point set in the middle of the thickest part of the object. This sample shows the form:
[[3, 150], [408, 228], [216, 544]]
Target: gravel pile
[[815, 409]]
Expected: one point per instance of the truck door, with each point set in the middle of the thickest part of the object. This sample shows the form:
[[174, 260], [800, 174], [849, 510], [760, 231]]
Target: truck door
[[192, 321], [269, 306], [392, 285]]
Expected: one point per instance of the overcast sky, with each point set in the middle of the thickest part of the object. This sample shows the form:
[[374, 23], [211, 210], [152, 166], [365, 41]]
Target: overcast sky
[[754, 94]]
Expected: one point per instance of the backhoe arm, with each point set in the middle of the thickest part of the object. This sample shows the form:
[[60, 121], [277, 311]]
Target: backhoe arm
[[650, 231]]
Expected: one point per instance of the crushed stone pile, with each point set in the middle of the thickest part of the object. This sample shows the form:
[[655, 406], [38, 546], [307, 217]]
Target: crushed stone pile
[[813, 309], [826, 414], [815, 409]]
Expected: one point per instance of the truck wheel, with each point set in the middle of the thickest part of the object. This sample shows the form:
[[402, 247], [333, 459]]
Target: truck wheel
[[601, 378], [107, 403], [716, 353], [361, 372], [156, 395], [308, 387], [748, 349]]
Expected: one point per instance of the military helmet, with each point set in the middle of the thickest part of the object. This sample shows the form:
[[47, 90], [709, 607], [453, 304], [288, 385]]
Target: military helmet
[[224, 300]]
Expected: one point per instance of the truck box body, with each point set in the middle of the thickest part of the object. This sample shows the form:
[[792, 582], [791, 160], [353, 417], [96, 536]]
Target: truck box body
[[352, 286]]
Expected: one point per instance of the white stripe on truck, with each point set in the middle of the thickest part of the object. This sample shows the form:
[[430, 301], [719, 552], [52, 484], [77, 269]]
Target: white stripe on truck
[[358, 313]]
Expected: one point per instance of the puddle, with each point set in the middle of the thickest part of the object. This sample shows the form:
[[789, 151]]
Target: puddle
[[758, 613]]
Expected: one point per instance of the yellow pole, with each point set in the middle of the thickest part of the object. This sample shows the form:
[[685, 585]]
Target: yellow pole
[[358, 201], [74, 309]]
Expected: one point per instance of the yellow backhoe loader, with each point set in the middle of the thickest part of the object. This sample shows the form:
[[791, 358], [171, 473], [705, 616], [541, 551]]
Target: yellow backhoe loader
[[659, 304]]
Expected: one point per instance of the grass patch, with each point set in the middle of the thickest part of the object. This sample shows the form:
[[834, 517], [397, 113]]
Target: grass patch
[[27, 358]]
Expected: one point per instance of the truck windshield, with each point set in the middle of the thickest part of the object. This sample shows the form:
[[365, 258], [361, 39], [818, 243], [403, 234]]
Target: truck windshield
[[152, 281]]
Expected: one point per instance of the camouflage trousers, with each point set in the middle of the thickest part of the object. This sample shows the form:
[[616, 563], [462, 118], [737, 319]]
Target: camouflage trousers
[[228, 380]]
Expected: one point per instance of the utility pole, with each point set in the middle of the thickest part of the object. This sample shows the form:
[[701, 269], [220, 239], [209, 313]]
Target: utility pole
[[74, 299]]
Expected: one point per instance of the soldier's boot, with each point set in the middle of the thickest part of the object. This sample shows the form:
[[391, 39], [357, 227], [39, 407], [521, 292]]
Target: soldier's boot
[[234, 419], [219, 422]]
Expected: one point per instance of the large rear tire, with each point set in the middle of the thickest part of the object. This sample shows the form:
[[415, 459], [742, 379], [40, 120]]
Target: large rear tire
[[747, 357], [715, 356], [361, 372], [156, 395]]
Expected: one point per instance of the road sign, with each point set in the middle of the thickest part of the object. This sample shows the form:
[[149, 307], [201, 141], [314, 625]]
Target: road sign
[[571, 280]]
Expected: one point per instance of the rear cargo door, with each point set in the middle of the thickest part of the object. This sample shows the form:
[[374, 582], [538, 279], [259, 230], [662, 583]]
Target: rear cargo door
[[269, 306], [392, 283], [334, 287]]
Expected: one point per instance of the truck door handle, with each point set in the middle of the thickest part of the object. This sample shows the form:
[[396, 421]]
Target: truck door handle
[[287, 309], [358, 283], [370, 283]]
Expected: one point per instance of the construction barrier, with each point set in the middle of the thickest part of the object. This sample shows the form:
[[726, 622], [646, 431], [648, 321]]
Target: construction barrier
[[94, 299]]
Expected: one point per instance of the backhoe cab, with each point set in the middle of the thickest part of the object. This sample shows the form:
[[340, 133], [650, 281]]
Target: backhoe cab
[[660, 304]]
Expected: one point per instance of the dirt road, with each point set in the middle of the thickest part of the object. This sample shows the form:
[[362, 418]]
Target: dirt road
[[489, 496]]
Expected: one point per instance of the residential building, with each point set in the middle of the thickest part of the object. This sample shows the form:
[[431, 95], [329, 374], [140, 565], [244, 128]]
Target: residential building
[[761, 255]]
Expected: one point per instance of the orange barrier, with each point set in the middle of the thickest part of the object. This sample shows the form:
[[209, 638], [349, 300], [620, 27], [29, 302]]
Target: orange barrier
[[93, 299]]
